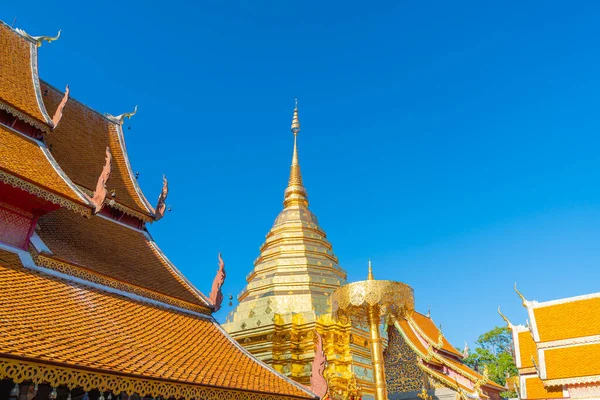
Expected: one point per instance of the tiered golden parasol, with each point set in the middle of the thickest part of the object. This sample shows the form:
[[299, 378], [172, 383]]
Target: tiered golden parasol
[[368, 304]]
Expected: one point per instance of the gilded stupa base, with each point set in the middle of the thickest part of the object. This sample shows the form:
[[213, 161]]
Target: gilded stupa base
[[287, 344]]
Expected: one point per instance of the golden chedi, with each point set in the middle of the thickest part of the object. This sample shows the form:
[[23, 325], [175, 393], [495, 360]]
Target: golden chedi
[[287, 298]]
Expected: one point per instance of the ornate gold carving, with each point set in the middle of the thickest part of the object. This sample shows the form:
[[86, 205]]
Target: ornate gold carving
[[401, 365], [392, 298], [89, 276], [44, 194], [22, 371]]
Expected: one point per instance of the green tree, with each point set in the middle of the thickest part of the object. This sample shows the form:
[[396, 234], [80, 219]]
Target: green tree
[[495, 350]]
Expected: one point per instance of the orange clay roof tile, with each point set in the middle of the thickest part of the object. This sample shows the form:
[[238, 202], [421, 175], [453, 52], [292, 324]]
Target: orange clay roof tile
[[527, 349], [26, 159], [567, 320], [17, 85], [50, 319], [572, 361], [115, 251], [432, 332], [79, 143], [534, 389]]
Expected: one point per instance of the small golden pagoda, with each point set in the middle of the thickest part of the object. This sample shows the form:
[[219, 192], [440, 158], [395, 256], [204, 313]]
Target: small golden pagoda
[[287, 298]]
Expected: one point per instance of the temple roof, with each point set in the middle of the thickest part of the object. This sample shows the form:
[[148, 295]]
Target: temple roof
[[19, 84], [531, 387], [525, 349], [567, 318], [108, 250], [433, 333], [562, 347], [50, 319], [78, 144], [565, 363], [26, 163], [419, 332]]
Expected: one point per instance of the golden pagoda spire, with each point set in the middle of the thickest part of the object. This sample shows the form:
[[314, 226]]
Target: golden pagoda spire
[[370, 277], [295, 194]]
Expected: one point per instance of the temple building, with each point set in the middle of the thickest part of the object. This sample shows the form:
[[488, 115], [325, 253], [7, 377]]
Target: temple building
[[420, 359], [555, 352], [91, 308], [287, 298]]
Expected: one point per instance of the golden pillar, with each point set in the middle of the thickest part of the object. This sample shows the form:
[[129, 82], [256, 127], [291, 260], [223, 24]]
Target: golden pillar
[[366, 304]]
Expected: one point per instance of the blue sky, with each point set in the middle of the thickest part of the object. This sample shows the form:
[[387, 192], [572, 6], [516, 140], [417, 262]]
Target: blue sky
[[454, 143]]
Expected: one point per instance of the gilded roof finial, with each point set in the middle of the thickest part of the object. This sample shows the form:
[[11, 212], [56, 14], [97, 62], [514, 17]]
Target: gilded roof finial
[[295, 194], [504, 318], [524, 301], [370, 276], [295, 120]]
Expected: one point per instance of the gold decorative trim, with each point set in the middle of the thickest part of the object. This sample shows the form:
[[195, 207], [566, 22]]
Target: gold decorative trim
[[438, 345], [20, 371], [24, 117], [427, 357], [571, 381], [79, 272], [118, 206], [437, 376], [44, 194]]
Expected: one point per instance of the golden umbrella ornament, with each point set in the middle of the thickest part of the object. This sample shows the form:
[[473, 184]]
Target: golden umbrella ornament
[[367, 304]]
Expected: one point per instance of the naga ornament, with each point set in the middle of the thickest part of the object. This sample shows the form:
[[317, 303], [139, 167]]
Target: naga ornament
[[100, 193], [318, 383], [216, 295], [120, 118], [161, 206], [38, 39], [59, 111]]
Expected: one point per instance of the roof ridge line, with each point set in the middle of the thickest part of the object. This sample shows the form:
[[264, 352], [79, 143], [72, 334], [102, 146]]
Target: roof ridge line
[[175, 271], [28, 262], [541, 304], [136, 186], [71, 98]]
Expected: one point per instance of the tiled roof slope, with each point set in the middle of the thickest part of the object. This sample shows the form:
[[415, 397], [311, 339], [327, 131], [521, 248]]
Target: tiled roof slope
[[115, 251], [18, 78], [428, 327], [527, 349], [79, 145], [572, 362], [52, 320], [534, 389], [29, 161], [568, 318]]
